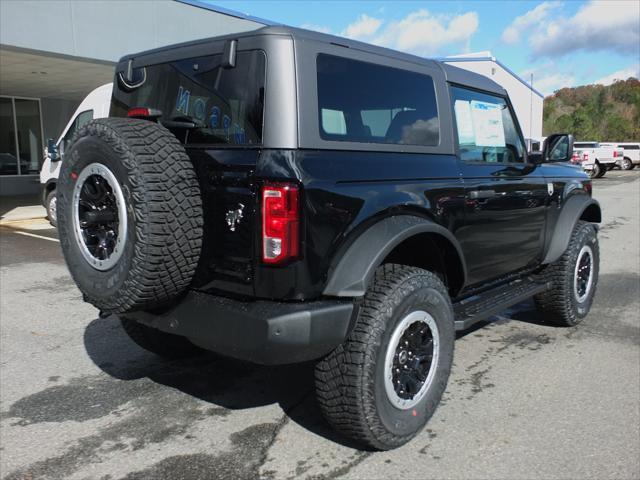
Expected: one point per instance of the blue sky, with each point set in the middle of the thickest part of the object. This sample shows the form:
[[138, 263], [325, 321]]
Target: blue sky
[[563, 43]]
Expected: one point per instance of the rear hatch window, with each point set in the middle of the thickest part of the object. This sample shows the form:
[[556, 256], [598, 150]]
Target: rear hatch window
[[224, 105]]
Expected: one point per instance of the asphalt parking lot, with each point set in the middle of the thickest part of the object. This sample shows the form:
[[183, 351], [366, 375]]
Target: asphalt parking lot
[[525, 400]]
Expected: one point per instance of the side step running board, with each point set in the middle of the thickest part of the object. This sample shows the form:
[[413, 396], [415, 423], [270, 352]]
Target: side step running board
[[479, 307]]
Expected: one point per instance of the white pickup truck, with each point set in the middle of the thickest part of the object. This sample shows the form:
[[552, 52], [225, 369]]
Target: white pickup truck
[[631, 154], [595, 158]]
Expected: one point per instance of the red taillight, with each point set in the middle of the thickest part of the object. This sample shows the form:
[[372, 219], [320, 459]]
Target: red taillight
[[585, 157], [575, 158], [280, 223], [615, 153], [143, 112]]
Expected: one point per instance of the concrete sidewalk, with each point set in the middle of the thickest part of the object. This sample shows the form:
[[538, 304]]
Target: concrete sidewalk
[[21, 207]]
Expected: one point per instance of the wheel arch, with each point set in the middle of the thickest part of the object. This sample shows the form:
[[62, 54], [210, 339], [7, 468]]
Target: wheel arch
[[48, 188], [576, 207], [394, 240]]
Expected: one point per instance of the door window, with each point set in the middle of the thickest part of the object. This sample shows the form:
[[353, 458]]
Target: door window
[[486, 128]]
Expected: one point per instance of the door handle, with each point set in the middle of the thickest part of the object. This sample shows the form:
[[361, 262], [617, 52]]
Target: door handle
[[478, 194]]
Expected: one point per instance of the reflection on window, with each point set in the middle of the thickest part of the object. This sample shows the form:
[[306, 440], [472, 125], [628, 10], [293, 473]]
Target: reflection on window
[[369, 103]]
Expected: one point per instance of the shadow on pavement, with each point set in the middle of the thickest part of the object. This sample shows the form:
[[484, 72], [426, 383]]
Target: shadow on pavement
[[221, 381]]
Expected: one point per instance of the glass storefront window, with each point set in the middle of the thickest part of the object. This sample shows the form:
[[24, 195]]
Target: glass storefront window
[[8, 155], [29, 135], [20, 136]]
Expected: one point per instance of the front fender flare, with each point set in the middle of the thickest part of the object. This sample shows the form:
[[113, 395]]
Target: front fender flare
[[572, 211], [355, 269]]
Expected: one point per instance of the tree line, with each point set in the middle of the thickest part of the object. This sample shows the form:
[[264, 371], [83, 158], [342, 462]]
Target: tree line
[[603, 113]]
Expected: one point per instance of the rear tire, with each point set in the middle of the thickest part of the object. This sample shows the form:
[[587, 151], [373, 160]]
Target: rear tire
[[52, 208], [161, 343], [602, 170], [571, 294], [596, 171], [627, 164], [380, 387]]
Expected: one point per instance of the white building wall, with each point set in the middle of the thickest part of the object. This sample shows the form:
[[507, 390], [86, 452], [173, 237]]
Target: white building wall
[[107, 30], [526, 102]]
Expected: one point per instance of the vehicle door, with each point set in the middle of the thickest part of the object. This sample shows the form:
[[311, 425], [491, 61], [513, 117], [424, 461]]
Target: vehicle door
[[505, 196]]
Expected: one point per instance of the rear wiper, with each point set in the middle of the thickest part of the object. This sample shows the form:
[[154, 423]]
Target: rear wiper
[[188, 123]]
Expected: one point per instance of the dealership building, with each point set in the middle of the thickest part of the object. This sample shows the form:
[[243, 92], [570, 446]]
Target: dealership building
[[54, 52]]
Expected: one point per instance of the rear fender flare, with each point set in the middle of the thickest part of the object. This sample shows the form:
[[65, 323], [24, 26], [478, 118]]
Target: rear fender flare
[[575, 208], [355, 269]]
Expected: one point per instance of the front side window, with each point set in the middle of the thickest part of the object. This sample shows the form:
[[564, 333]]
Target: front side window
[[222, 105], [370, 103], [486, 128], [80, 121]]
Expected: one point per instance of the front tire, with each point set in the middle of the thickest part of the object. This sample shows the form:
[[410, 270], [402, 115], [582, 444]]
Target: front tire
[[381, 386], [573, 278]]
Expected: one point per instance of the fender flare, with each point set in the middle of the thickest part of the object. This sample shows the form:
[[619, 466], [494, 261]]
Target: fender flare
[[573, 210], [355, 269]]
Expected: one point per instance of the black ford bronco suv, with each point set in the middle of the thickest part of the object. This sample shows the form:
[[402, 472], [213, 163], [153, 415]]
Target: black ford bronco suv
[[281, 196]]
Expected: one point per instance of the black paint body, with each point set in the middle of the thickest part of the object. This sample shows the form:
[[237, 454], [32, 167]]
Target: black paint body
[[501, 232]]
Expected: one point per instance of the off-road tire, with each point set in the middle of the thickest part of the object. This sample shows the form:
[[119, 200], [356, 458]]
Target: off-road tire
[[559, 304], [602, 172], [161, 343], [350, 381], [163, 210], [51, 204], [627, 164]]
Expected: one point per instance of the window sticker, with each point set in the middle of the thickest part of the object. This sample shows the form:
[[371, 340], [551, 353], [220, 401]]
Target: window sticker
[[487, 123], [466, 135]]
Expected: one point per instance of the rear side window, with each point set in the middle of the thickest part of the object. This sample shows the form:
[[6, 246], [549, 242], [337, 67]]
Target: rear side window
[[486, 128], [225, 105], [369, 103], [630, 147]]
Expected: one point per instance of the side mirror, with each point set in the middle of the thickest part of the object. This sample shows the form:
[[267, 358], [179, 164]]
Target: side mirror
[[52, 150], [535, 158], [558, 148]]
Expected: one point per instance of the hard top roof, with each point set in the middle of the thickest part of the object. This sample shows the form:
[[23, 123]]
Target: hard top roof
[[452, 74]]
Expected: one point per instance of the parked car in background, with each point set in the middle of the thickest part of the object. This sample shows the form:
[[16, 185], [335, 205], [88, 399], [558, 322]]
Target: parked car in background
[[630, 154], [95, 105], [597, 158]]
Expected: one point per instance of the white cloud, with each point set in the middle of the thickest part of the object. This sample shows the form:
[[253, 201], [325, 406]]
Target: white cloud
[[316, 28], [547, 79], [599, 25], [420, 32], [530, 19], [363, 28], [632, 71]]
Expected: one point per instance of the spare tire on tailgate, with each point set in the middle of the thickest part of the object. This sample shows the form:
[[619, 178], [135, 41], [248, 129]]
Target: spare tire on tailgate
[[129, 215]]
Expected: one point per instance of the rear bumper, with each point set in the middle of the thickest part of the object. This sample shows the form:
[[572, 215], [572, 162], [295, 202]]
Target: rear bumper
[[264, 332]]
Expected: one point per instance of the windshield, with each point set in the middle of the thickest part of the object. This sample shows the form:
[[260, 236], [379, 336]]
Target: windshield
[[215, 105]]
